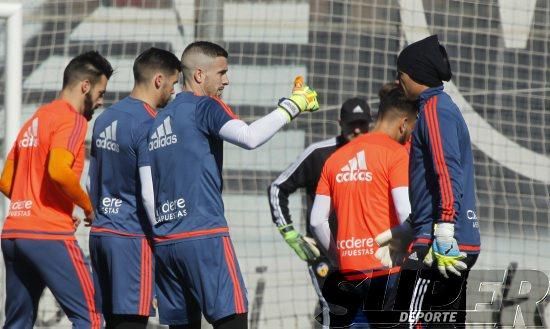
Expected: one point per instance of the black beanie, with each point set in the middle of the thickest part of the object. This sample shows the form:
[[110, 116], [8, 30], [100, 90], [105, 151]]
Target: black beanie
[[426, 62]]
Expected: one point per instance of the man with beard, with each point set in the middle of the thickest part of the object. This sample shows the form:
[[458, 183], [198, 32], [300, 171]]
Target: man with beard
[[365, 183], [122, 193], [42, 178]]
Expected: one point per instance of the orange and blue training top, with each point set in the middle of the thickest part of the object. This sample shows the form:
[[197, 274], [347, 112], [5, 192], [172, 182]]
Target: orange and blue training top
[[441, 172], [39, 208]]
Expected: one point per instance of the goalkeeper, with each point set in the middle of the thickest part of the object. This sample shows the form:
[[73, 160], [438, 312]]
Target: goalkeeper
[[442, 188], [196, 266], [304, 173], [366, 184]]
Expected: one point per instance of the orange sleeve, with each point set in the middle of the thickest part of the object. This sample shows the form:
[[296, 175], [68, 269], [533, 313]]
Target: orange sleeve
[[7, 177], [399, 172], [6, 181], [60, 171], [70, 134], [323, 186]]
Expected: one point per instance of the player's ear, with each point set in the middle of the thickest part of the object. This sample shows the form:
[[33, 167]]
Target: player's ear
[[403, 124], [85, 86], [198, 75], [157, 80]]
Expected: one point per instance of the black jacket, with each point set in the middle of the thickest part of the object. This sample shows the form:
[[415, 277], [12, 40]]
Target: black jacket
[[302, 173]]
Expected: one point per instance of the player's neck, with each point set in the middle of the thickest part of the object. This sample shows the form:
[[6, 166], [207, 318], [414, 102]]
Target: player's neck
[[387, 128], [194, 88], [76, 101], [145, 96]]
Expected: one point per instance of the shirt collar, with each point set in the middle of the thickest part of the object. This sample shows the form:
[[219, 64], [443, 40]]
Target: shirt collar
[[428, 93]]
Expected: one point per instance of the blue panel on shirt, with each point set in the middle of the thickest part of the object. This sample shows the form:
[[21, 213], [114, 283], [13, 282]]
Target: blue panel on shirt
[[119, 148]]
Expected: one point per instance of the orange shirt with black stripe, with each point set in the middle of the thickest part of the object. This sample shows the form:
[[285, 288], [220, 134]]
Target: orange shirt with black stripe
[[39, 208]]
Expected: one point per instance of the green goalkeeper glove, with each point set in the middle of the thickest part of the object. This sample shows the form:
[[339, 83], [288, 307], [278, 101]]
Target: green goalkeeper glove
[[303, 246], [445, 250], [303, 99], [393, 244]]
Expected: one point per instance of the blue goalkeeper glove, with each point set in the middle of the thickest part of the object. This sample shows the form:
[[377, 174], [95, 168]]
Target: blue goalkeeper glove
[[445, 251], [303, 99], [303, 246]]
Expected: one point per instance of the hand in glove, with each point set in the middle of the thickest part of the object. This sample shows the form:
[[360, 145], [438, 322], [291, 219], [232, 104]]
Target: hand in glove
[[393, 244], [445, 251], [305, 247], [303, 99]]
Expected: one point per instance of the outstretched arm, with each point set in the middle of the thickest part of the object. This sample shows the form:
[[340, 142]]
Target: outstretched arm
[[303, 99]]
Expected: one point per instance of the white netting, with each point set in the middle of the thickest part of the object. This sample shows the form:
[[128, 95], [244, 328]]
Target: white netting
[[499, 53]]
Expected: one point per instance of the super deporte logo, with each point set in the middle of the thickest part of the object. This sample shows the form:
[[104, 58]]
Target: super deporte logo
[[163, 136], [355, 170], [107, 138]]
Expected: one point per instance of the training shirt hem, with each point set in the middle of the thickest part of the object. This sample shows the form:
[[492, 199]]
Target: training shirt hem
[[220, 231], [101, 231]]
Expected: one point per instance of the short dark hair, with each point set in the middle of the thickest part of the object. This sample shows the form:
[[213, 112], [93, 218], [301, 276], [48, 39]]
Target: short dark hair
[[207, 48], [394, 103], [155, 59], [89, 65]]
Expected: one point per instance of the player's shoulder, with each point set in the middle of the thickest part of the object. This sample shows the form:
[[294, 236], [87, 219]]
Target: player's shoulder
[[445, 105], [318, 151], [59, 113], [386, 143], [320, 146], [342, 154]]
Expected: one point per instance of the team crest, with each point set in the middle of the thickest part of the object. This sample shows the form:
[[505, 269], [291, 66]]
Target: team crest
[[322, 269]]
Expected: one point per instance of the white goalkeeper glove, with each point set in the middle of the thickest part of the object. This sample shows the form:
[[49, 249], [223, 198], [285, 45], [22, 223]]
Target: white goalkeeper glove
[[445, 250], [393, 244]]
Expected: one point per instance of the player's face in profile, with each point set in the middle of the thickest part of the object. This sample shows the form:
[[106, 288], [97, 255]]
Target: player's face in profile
[[167, 88], [407, 85], [94, 98], [216, 77], [406, 130], [353, 129]]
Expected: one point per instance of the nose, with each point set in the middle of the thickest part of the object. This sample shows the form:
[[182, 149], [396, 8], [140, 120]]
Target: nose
[[225, 80]]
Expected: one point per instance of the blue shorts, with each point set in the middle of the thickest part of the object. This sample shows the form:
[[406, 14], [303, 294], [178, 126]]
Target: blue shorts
[[198, 275], [123, 274], [32, 265]]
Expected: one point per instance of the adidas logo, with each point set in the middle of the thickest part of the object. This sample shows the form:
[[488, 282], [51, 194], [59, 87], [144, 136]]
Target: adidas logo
[[107, 138], [413, 256], [163, 136], [355, 170], [30, 137], [357, 109]]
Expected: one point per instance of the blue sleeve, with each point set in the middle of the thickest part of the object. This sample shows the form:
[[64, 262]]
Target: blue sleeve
[[442, 134], [212, 114], [141, 147]]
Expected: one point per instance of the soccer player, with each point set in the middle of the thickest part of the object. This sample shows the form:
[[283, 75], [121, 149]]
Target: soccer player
[[196, 267], [441, 171], [304, 173], [42, 178], [121, 190], [365, 182]]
